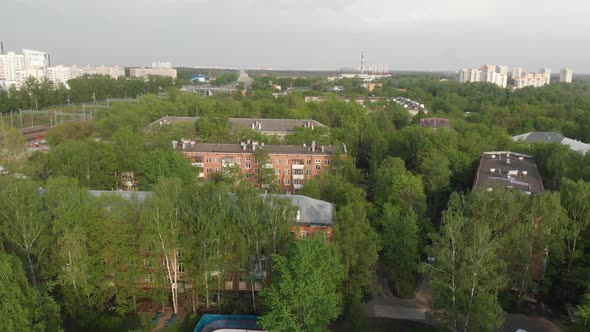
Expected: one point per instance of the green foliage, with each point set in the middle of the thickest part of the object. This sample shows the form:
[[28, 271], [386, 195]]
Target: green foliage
[[165, 163], [304, 295], [92, 162], [399, 233], [69, 131], [225, 79], [358, 245]]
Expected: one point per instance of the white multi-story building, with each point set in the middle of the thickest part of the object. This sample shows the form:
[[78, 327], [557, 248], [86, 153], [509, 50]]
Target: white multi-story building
[[59, 74], [516, 73], [15, 69], [157, 69], [488, 73], [112, 71], [566, 75], [543, 77]]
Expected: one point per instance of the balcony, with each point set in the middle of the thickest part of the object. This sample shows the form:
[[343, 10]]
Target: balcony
[[298, 176], [295, 166], [297, 186], [228, 164], [197, 165], [267, 166], [201, 175]]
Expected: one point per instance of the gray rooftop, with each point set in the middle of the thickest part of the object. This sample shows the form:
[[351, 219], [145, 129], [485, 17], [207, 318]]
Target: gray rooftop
[[510, 170], [311, 211], [552, 137], [258, 124], [247, 148]]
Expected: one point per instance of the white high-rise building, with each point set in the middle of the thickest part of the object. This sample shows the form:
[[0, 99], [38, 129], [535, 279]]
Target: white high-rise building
[[157, 69], [15, 69], [516, 73], [566, 75], [488, 73]]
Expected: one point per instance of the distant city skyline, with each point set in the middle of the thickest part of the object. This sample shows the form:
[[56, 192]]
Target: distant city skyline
[[422, 35]]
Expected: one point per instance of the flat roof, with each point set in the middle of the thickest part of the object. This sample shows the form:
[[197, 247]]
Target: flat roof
[[311, 211], [510, 170], [258, 124], [435, 123], [552, 137], [270, 148]]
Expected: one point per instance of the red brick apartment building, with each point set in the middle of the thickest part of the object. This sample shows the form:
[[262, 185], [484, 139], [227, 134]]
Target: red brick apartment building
[[313, 216], [291, 164]]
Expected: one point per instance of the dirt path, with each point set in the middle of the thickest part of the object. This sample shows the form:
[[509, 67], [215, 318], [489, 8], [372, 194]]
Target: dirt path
[[386, 305]]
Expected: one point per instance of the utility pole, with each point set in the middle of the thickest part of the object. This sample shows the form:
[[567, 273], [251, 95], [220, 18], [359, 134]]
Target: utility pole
[[11, 121], [20, 114]]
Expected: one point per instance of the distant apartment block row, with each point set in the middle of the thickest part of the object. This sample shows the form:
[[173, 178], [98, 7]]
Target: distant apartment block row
[[499, 75], [15, 69]]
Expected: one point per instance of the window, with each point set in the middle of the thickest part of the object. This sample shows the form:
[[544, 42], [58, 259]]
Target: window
[[287, 181], [256, 161], [208, 170], [317, 177], [257, 170], [258, 181], [327, 162], [248, 175], [248, 165], [304, 235], [238, 161], [149, 278], [208, 160], [318, 161], [318, 167], [287, 161], [278, 181], [278, 171], [164, 262], [179, 252], [297, 181], [298, 172], [180, 267], [308, 171], [217, 169], [287, 171], [217, 160], [278, 161], [309, 161], [248, 159], [146, 263]]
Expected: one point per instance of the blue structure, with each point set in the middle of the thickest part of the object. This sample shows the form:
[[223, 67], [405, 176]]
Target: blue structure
[[214, 322], [200, 78]]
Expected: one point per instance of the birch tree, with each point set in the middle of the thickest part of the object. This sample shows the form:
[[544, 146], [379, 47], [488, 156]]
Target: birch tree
[[575, 198], [24, 223], [163, 222]]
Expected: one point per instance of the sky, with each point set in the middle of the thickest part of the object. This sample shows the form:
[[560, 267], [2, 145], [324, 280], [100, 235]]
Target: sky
[[304, 34]]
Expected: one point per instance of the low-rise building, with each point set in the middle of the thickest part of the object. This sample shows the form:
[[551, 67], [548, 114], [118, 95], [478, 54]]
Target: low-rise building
[[509, 170], [552, 137], [157, 69], [292, 165], [279, 128], [435, 123]]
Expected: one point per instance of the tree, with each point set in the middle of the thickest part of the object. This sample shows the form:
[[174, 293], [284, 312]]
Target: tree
[[128, 147], [14, 144], [399, 237], [575, 198], [25, 223], [435, 169], [163, 222], [467, 275], [358, 244], [71, 214], [304, 295], [165, 163], [24, 308]]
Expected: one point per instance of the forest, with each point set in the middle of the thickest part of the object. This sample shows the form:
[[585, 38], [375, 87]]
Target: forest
[[402, 194]]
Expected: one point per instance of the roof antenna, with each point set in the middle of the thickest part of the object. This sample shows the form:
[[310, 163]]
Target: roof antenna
[[1, 48]]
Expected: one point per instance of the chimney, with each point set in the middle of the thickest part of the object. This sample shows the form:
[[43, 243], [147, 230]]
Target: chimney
[[252, 126], [323, 150], [259, 125], [312, 146], [183, 145], [254, 145], [1, 48], [174, 144]]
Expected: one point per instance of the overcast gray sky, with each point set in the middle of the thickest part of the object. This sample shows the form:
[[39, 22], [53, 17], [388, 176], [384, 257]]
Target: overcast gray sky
[[304, 34]]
